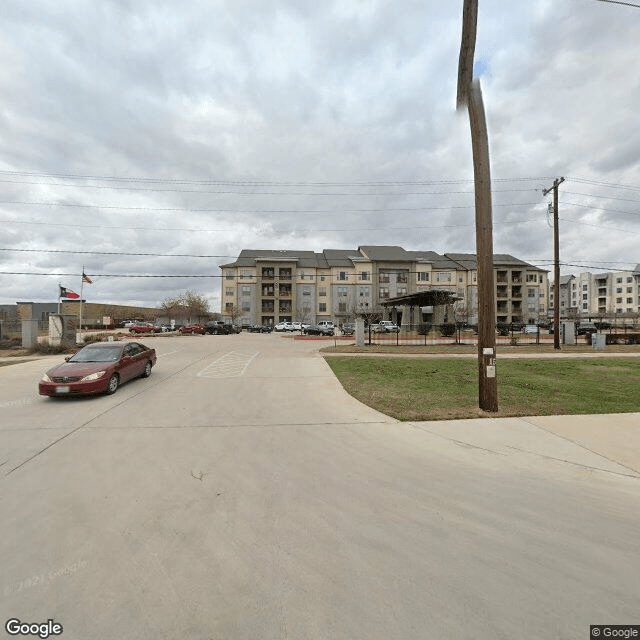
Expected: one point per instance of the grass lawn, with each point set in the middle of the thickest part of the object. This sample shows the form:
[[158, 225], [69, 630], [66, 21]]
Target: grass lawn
[[443, 389]]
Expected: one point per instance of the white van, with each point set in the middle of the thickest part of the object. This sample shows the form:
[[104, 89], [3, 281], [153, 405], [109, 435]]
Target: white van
[[327, 324]]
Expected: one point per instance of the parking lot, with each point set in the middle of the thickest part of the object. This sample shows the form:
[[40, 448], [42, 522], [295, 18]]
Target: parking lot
[[239, 492]]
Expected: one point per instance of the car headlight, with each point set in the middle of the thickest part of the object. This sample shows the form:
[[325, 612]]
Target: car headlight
[[45, 378], [93, 376]]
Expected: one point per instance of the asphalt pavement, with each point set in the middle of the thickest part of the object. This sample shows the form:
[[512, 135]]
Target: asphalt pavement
[[239, 492]]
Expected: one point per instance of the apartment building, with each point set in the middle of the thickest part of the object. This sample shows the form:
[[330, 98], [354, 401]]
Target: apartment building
[[270, 286], [589, 295]]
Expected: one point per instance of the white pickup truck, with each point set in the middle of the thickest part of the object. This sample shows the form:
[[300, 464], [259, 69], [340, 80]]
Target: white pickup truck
[[385, 326]]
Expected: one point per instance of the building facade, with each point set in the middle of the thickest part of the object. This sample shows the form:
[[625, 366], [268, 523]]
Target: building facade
[[597, 295], [267, 287]]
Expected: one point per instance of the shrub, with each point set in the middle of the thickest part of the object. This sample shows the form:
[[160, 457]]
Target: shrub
[[46, 348], [447, 330]]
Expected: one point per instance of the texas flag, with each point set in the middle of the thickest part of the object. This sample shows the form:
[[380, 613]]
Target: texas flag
[[67, 293]]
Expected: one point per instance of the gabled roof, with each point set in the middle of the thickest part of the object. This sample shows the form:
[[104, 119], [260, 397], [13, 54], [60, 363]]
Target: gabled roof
[[470, 261], [341, 257], [385, 253]]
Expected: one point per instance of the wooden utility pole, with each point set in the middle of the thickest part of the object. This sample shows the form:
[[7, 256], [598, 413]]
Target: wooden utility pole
[[470, 95], [556, 263]]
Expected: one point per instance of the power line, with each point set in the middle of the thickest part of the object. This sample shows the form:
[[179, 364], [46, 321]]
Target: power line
[[104, 275], [628, 4], [116, 253], [306, 229], [253, 182]]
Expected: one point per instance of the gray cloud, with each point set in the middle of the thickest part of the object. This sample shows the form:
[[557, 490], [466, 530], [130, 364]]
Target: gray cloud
[[321, 126]]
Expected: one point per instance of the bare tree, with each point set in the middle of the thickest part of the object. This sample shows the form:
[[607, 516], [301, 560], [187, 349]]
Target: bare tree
[[188, 304]]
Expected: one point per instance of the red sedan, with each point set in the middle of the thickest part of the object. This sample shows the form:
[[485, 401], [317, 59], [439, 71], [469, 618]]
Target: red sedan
[[193, 328], [98, 368]]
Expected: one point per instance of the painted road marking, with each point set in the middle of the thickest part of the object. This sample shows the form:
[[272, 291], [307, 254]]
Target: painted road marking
[[230, 365]]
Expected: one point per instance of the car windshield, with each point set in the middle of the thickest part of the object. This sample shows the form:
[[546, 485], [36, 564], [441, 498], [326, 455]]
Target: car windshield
[[97, 354]]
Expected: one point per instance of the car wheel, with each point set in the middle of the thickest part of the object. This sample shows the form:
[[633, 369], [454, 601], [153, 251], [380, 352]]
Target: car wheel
[[147, 370], [112, 385]]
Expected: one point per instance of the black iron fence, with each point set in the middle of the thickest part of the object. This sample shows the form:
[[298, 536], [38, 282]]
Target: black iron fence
[[426, 334]]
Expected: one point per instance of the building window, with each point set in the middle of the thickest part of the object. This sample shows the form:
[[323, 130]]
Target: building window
[[246, 290], [343, 275], [618, 289], [321, 278], [584, 296], [384, 292], [306, 291], [402, 291], [246, 275], [531, 293], [228, 306], [402, 278], [246, 307], [443, 277], [383, 277], [364, 292], [342, 307], [322, 291], [229, 275], [423, 276], [619, 300], [532, 277], [228, 291], [322, 307], [365, 275], [342, 292], [629, 301], [618, 280]]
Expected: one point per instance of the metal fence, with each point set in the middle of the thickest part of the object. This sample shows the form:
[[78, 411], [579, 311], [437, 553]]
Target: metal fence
[[449, 335]]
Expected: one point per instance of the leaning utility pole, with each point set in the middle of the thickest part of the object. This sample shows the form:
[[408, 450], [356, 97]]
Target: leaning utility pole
[[470, 95], [556, 263]]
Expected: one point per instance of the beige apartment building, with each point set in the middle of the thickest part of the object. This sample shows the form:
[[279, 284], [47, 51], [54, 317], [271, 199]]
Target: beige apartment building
[[270, 286], [596, 295]]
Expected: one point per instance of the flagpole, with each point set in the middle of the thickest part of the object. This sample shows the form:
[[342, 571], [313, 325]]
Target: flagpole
[[81, 287]]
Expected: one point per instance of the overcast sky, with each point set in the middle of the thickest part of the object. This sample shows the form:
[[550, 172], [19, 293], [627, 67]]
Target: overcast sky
[[203, 128]]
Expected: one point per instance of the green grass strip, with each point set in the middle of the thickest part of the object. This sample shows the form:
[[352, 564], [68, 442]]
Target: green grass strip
[[442, 389]]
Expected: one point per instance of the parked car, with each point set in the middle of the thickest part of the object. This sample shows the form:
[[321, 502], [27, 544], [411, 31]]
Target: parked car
[[585, 328], [260, 328], [319, 330], [326, 323], [296, 326], [348, 329], [100, 367], [217, 327], [385, 326], [163, 328], [193, 328], [284, 326], [602, 325], [144, 327]]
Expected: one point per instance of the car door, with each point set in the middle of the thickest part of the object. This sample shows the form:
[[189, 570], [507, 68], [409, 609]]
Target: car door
[[130, 364]]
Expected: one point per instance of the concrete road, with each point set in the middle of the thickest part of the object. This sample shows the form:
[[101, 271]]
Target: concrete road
[[239, 492]]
